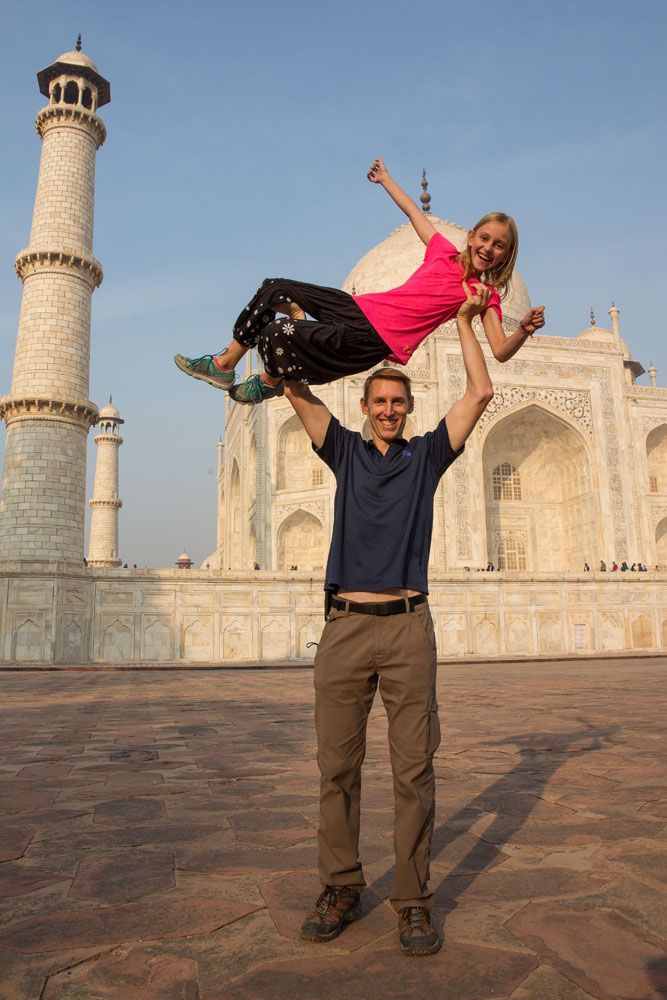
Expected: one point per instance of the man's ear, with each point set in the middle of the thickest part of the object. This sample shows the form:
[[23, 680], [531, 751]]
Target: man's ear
[[411, 406], [364, 406]]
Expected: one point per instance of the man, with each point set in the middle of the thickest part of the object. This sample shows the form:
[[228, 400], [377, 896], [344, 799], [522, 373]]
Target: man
[[379, 631]]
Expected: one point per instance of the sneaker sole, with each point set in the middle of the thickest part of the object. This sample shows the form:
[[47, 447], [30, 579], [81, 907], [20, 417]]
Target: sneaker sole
[[225, 386], [349, 917], [411, 952]]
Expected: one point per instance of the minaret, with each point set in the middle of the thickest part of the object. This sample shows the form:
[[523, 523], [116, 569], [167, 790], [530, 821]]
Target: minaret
[[103, 541], [48, 413], [652, 373]]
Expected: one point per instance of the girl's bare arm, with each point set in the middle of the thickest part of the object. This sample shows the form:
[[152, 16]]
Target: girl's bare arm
[[378, 174], [505, 346]]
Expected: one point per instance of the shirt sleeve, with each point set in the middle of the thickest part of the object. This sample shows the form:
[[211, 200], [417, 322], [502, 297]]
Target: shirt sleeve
[[440, 451], [438, 246], [334, 445]]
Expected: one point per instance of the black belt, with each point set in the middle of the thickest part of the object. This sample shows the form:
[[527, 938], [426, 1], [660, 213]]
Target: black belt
[[384, 608]]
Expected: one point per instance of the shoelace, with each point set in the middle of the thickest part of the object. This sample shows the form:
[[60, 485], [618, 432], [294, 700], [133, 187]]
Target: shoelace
[[328, 898], [416, 917]]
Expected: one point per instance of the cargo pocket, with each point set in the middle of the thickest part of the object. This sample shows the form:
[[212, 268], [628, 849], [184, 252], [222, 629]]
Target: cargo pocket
[[433, 728], [425, 621]]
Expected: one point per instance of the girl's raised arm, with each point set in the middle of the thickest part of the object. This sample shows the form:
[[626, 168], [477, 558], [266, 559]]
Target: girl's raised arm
[[378, 174]]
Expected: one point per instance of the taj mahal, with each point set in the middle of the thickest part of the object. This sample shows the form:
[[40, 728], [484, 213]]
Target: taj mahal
[[566, 469]]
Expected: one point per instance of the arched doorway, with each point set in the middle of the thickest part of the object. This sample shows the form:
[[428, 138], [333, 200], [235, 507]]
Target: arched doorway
[[541, 506], [236, 535], [301, 542], [656, 455], [661, 544], [299, 468]]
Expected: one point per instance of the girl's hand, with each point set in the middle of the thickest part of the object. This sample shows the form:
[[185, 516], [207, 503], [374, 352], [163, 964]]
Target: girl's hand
[[476, 300], [533, 320], [377, 172]]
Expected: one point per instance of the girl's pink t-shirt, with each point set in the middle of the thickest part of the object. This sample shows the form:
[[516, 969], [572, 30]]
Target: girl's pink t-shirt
[[405, 316]]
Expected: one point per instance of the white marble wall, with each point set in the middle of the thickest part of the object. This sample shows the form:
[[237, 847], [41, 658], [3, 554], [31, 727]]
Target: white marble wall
[[53, 613]]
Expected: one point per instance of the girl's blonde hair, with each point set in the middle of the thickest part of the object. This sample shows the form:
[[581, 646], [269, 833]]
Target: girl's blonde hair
[[500, 276]]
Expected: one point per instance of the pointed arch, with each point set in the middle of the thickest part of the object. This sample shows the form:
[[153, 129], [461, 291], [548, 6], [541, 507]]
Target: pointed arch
[[541, 503], [656, 458], [301, 542], [297, 464]]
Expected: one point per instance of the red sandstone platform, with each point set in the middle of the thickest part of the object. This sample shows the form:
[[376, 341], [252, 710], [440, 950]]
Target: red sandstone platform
[[157, 838]]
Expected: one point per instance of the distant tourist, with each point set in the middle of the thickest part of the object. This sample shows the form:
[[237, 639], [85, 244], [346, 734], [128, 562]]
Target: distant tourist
[[351, 333], [603, 566], [614, 567], [587, 568], [624, 567], [633, 568], [490, 568], [257, 566]]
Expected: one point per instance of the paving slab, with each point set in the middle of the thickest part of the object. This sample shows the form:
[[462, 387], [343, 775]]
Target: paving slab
[[158, 838]]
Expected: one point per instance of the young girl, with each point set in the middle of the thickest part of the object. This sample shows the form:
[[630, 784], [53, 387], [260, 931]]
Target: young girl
[[350, 333]]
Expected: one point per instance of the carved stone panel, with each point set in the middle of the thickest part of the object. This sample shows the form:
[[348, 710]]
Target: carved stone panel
[[612, 630], [110, 597], [309, 632], [28, 637], [641, 627], [518, 637], [550, 632], [574, 403], [487, 635], [236, 638], [157, 639], [275, 639], [581, 632], [72, 634], [197, 637], [117, 639], [452, 632], [29, 595]]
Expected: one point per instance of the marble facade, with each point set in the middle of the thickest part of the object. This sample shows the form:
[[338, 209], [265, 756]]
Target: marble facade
[[567, 465], [59, 614]]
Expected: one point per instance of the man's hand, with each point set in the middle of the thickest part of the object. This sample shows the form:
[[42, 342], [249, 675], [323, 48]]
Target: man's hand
[[378, 173], [477, 300], [533, 320]]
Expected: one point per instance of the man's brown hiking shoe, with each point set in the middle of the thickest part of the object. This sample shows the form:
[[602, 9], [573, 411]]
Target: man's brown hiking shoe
[[337, 906], [418, 935]]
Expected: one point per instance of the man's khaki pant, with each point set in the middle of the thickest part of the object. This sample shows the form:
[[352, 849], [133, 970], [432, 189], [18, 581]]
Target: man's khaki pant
[[356, 652]]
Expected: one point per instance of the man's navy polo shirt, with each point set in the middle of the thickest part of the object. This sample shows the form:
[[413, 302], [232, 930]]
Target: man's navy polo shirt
[[383, 511]]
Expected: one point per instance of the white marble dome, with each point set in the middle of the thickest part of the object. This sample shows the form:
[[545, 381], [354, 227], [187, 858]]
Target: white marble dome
[[392, 261], [109, 411], [75, 58], [600, 335]]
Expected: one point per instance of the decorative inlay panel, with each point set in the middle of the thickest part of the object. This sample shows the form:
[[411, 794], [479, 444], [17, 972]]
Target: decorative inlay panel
[[316, 507], [572, 402]]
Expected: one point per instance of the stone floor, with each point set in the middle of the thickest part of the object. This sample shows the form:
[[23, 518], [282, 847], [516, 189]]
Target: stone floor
[[157, 838]]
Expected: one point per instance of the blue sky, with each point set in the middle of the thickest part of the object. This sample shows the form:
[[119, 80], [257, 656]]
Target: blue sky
[[238, 140]]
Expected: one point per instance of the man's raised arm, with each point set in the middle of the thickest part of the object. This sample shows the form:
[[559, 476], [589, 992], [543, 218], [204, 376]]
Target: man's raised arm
[[310, 410], [479, 392]]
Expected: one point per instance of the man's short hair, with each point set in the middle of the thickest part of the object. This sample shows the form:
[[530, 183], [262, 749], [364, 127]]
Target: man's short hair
[[393, 375]]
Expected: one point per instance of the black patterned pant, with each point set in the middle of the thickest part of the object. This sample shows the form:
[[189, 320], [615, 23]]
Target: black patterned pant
[[337, 341]]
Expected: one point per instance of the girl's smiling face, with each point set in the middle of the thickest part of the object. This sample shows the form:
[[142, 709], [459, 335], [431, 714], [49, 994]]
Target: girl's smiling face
[[488, 245]]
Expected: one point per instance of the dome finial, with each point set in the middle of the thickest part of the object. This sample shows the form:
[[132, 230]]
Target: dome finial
[[110, 399], [425, 197], [592, 317], [78, 43]]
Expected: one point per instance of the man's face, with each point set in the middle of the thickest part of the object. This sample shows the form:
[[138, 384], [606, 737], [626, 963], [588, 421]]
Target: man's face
[[387, 409]]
